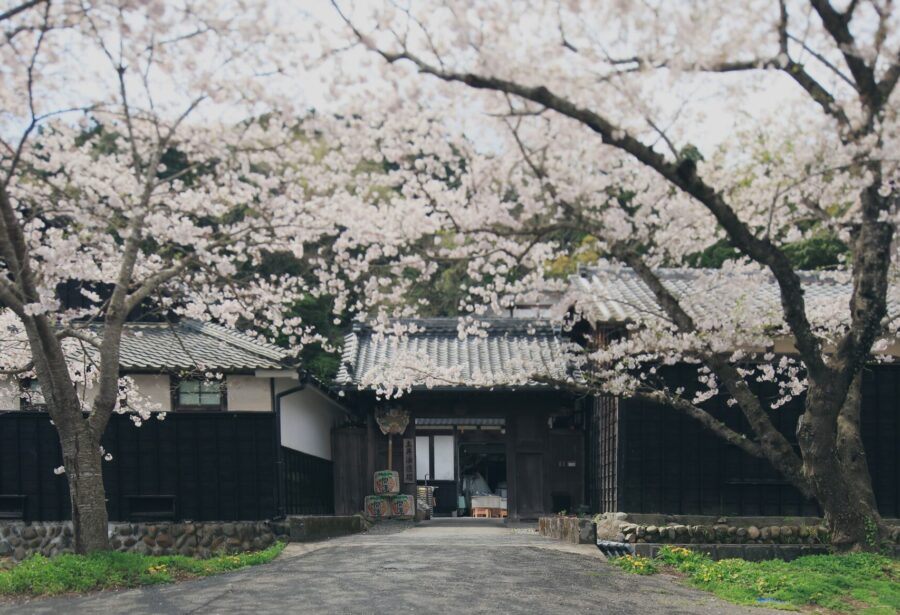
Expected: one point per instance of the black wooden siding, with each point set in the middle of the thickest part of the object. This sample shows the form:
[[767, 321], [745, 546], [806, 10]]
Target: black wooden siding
[[309, 484], [666, 463], [210, 466]]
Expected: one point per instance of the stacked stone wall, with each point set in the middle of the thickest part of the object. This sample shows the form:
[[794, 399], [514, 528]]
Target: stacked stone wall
[[19, 540]]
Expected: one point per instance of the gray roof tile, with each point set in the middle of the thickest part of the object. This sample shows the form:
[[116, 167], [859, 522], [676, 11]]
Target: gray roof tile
[[614, 293], [191, 344], [510, 346]]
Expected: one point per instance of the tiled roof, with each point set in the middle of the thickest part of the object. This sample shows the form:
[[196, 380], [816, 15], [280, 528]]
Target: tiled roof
[[613, 293], [511, 352], [192, 344]]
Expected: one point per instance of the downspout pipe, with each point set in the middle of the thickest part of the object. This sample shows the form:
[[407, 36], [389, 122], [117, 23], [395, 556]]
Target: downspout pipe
[[280, 476]]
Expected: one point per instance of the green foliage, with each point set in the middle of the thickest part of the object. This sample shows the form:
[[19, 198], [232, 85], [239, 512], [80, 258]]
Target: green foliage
[[714, 256], [685, 560], [317, 311], [585, 253], [842, 583], [871, 532], [820, 251], [441, 294], [690, 152], [39, 575]]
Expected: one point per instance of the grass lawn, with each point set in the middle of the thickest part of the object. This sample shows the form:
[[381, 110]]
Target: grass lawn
[[854, 583], [39, 575]]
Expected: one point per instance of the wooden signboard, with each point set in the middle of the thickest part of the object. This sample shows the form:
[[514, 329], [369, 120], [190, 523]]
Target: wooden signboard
[[409, 460]]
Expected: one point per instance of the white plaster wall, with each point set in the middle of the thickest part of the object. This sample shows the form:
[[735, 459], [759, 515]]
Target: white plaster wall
[[154, 387], [9, 394], [248, 393], [307, 418]]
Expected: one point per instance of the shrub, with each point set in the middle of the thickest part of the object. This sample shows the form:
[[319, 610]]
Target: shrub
[[683, 560], [636, 564]]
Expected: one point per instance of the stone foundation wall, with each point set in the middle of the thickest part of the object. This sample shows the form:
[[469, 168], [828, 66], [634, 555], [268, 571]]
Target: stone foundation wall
[[307, 528], [20, 540], [569, 529], [638, 529]]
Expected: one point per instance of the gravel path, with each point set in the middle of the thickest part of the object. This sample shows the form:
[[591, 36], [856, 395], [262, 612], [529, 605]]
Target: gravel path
[[446, 567]]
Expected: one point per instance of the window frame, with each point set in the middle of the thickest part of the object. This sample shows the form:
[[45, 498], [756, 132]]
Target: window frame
[[177, 406], [431, 460], [25, 392]]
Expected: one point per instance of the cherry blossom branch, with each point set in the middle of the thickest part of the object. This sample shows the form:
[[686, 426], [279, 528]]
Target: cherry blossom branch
[[889, 81], [837, 25], [45, 25], [682, 174], [14, 371], [22, 7], [707, 420], [136, 161], [81, 335], [778, 450], [823, 60]]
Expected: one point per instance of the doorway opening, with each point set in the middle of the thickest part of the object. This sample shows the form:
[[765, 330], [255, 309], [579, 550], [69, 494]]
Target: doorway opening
[[483, 484], [463, 458]]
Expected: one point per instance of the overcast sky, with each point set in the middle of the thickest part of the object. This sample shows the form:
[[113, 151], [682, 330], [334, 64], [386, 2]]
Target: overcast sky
[[778, 93], [311, 88]]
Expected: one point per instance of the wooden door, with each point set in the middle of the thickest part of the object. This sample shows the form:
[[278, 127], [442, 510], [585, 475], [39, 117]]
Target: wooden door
[[530, 484], [350, 482], [528, 439], [566, 470]]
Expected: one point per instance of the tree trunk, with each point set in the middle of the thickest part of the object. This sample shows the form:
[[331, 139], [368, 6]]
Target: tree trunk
[[83, 465], [835, 462]]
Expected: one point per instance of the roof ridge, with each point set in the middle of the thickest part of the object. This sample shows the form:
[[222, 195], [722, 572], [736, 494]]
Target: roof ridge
[[812, 275], [446, 323]]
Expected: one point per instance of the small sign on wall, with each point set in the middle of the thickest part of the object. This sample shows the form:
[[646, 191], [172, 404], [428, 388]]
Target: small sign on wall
[[409, 460]]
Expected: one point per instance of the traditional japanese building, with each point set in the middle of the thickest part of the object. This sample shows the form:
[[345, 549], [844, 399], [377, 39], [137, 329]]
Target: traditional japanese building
[[645, 457], [468, 433], [245, 433]]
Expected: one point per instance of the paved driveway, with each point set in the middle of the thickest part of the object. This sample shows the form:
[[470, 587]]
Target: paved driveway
[[439, 567]]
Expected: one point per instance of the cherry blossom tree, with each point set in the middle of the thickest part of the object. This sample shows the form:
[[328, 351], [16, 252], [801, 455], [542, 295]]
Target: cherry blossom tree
[[588, 119], [150, 158], [91, 111]]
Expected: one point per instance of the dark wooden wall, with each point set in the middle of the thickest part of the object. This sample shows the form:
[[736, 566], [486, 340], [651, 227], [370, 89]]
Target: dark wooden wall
[[351, 482], [309, 484], [203, 466], [666, 463], [539, 460]]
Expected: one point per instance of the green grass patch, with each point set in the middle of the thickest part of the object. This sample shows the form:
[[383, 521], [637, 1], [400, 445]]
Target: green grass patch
[[62, 574], [636, 564], [853, 583]]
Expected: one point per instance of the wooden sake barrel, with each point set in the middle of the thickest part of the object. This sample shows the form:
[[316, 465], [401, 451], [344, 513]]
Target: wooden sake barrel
[[402, 506], [378, 507], [387, 482]]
